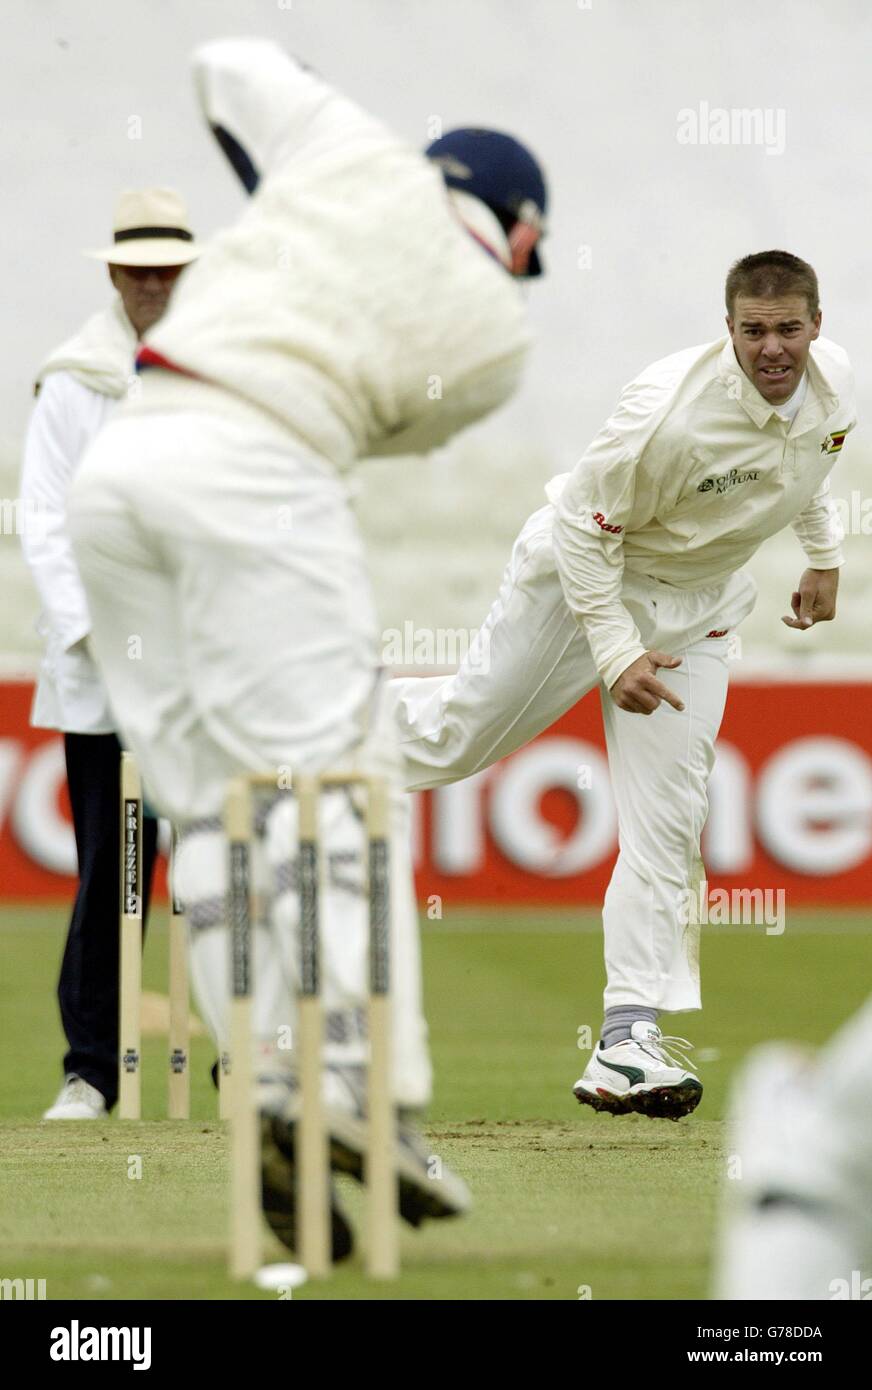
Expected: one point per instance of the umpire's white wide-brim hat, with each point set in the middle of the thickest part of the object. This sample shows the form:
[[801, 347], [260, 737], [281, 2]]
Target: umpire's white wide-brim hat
[[150, 228]]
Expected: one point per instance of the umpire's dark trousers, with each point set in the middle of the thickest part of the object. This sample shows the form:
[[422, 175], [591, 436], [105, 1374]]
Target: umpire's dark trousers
[[88, 987]]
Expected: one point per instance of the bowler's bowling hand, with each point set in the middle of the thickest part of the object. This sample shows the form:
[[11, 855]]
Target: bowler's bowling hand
[[638, 690], [814, 600]]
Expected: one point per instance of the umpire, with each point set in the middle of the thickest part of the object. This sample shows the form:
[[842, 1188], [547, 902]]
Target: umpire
[[77, 390]]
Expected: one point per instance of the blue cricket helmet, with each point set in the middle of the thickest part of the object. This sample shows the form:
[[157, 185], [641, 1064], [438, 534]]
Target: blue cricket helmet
[[503, 173]]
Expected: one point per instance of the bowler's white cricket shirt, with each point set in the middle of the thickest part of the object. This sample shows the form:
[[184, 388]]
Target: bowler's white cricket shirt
[[689, 476]]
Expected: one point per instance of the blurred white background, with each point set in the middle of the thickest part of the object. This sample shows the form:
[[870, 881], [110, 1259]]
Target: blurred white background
[[643, 228]]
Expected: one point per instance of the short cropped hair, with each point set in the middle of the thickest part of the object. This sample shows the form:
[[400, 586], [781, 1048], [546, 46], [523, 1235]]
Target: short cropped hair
[[771, 273]]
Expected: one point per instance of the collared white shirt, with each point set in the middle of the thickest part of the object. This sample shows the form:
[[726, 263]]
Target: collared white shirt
[[80, 386]]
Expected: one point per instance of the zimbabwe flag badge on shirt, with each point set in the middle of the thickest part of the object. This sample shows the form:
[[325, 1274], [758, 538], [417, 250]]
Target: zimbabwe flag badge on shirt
[[833, 442]]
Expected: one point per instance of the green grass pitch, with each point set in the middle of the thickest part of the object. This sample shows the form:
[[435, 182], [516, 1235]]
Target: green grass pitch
[[566, 1201]]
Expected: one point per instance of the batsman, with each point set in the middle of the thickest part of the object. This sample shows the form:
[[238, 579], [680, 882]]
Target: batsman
[[631, 581], [230, 602]]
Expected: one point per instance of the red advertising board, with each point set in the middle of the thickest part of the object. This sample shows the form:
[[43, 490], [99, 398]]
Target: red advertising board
[[790, 806]]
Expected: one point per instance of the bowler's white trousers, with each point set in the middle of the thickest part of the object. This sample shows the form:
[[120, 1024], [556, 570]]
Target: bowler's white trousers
[[529, 664], [233, 624]]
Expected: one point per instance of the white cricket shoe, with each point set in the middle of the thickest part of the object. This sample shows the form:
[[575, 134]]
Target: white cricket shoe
[[77, 1100], [795, 1222], [641, 1074]]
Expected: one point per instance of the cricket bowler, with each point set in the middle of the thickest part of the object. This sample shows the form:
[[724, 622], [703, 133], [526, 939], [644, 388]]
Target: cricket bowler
[[631, 580], [366, 302]]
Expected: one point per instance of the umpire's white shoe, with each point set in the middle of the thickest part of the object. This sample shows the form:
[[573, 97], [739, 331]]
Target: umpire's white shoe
[[77, 1100], [641, 1074]]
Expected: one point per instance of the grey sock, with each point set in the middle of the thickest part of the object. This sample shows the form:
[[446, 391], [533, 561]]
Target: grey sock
[[619, 1019]]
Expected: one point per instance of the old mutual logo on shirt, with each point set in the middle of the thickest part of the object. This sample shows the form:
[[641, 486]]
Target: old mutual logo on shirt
[[728, 480]]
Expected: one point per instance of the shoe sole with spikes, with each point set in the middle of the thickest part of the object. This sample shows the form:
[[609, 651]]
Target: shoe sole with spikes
[[658, 1102]]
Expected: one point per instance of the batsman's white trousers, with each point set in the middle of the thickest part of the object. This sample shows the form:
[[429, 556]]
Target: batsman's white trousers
[[232, 622], [530, 663]]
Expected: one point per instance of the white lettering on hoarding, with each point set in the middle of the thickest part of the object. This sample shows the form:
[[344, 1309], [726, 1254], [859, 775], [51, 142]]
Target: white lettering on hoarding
[[811, 804], [515, 817], [40, 829], [814, 805]]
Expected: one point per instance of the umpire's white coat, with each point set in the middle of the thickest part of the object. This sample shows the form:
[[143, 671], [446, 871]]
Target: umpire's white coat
[[348, 312], [636, 550], [78, 387]]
